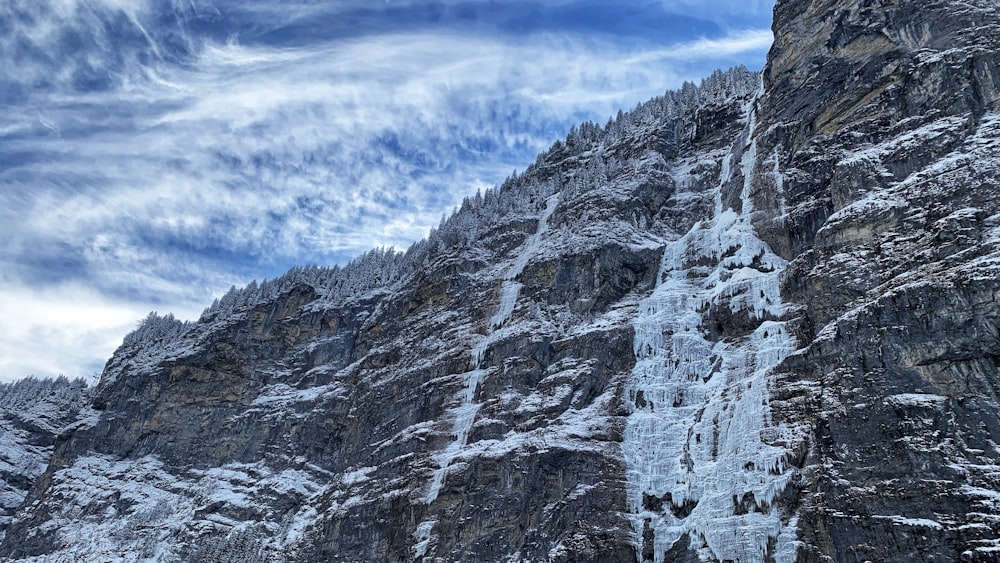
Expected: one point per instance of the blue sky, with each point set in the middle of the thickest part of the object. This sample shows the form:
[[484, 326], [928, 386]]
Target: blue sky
[[152, 154]]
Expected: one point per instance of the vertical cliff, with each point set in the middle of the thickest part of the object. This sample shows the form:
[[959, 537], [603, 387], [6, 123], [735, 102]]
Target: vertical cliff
[[463, 401], [752, 320], [882, 117]]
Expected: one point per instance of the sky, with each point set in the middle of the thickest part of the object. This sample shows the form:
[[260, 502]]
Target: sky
[[155, 153]]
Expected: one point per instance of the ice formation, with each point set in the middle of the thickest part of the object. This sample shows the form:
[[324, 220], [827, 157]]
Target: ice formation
[[465, 413], [697, 464]]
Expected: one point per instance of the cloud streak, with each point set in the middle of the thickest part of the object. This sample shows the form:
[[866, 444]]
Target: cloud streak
[[202, 159]]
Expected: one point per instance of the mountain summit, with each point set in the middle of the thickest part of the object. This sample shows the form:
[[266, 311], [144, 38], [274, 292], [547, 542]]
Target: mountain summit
[[752, 320]]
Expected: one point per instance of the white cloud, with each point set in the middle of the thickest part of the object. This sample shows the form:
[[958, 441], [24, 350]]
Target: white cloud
[[333, 102], [704, 49], [67, 329]]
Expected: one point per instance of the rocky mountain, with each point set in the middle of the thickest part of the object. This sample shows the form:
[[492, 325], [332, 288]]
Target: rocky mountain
[[33, 414], [752, 320]]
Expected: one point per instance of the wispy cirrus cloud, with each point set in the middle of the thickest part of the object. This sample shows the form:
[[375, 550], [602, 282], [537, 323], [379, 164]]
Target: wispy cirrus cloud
[[199, 154], [727, 13]]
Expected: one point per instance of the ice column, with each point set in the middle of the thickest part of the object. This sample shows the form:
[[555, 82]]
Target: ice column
[[465, 413], [696, 462]]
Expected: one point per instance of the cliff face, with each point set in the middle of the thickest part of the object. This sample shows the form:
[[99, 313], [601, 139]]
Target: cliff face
[[883, 121], [751, 321]]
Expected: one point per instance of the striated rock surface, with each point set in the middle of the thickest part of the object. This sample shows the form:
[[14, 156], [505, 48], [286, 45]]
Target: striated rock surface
[[753, 320]]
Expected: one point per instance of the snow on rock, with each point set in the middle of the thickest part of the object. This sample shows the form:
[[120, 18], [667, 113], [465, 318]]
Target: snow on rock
[[465, 413], [911, 522], [918, 400], [32, 413], [97, 491], [139, 510]]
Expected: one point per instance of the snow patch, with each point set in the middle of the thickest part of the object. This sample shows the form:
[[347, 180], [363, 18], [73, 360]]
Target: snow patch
[[357, 476], [911, 522], [918, 400]]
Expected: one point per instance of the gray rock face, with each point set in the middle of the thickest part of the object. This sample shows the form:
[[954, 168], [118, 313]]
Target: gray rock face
[[890, 205], [754, 320]]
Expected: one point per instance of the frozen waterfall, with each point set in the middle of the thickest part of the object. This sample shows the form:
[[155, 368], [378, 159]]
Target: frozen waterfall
[[696, 462]]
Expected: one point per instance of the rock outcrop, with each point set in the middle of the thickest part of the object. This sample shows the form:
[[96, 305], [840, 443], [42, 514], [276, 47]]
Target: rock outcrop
[[753, 320]]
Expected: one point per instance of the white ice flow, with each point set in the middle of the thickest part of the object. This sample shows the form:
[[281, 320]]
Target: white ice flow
[[696, 461], [465, 413]]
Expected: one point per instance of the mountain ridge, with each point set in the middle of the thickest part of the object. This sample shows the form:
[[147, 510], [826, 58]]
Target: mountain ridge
[[760, 325], [163, 341]]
